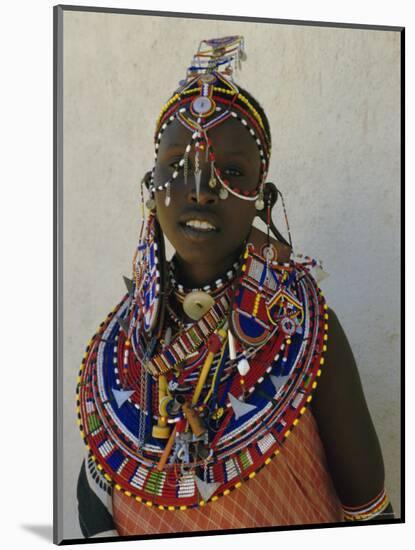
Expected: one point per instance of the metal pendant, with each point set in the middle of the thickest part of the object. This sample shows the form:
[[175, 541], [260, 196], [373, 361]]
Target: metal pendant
[[239, 407], [197, 303], [202, 105], [223, 193], [259, 204], [212, 182]]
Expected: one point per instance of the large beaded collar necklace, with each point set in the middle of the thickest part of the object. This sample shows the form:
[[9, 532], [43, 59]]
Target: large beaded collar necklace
[[209, 408]]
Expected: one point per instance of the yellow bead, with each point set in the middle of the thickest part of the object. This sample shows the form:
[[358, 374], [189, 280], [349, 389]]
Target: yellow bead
[[202, 503], [214, 498], [239, 484], [268, 460], [322, 361], [183, 507], [138, 499], [128, 493], [251, 475], [170, 508], [149, 503], [287, 433], [226, 492]]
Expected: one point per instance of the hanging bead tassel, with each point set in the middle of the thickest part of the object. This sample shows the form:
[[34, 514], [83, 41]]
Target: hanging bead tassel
[[186, 164], [286, 219], [198, 172], [167, 200], [212, 181]]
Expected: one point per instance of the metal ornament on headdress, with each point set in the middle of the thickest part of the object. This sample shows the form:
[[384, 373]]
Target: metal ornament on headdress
[[206, 97]]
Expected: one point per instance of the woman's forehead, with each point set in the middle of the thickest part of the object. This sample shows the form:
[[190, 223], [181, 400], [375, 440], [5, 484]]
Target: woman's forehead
[[229, 136]]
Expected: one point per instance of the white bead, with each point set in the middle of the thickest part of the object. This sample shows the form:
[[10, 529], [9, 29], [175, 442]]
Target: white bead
[[243, 367], [232, 350]]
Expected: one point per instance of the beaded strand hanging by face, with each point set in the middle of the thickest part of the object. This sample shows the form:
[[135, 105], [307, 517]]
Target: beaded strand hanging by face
[[207, 97]]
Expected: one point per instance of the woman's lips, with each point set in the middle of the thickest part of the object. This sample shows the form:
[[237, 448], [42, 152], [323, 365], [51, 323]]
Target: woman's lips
[[200, 233]]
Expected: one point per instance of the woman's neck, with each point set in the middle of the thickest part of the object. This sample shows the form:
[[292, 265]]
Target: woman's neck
[[194, 275]]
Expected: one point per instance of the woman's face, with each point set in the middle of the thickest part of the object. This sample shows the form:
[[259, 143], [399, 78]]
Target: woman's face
[[227, 222]]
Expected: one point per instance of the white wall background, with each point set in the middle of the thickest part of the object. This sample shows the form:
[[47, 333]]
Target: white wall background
[[333, 100]]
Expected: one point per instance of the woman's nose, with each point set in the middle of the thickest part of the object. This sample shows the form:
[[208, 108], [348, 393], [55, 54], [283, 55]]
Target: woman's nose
[[206, 195]]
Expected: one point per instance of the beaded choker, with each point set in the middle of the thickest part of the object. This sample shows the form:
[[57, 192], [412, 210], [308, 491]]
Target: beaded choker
[[212, 288]]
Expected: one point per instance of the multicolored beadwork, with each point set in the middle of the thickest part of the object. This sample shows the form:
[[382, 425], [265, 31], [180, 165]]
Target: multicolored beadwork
[[222, 427], [368, 511]]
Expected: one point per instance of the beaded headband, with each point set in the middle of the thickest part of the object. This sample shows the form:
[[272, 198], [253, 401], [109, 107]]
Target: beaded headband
[[207, 97]]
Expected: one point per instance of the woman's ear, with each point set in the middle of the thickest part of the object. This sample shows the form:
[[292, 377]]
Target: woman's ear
[[146, 179], [270, 194]]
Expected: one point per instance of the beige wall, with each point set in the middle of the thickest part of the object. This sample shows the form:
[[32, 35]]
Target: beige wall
[[332, 96]]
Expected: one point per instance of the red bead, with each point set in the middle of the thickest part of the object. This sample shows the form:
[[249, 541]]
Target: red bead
[[214, 343], [181, 425]]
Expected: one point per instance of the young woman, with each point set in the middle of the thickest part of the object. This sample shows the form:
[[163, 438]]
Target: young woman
[[221, 392]]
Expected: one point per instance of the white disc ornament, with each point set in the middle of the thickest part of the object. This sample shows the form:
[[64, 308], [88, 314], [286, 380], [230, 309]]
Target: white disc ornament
[[197, 303], [223, 193]]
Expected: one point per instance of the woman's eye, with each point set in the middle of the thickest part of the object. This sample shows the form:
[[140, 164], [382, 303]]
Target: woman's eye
[[232, 172]]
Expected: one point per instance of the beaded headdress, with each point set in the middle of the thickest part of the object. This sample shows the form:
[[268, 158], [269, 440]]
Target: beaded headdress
[[206, 97]]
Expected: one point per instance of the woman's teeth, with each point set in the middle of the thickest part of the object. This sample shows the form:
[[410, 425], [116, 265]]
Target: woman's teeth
[[204, 226]]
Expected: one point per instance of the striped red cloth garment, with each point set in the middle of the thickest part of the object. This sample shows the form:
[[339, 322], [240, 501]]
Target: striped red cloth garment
[[295, 488]]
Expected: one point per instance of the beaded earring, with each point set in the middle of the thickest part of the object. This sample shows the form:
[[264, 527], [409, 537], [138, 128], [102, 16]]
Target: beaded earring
[[149, 268]]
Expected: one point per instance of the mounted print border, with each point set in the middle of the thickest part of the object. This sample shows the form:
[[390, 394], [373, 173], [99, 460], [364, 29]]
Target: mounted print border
[[334, 97]]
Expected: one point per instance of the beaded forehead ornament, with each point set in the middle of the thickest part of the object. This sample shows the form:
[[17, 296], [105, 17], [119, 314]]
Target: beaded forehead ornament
[[207, 97]]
